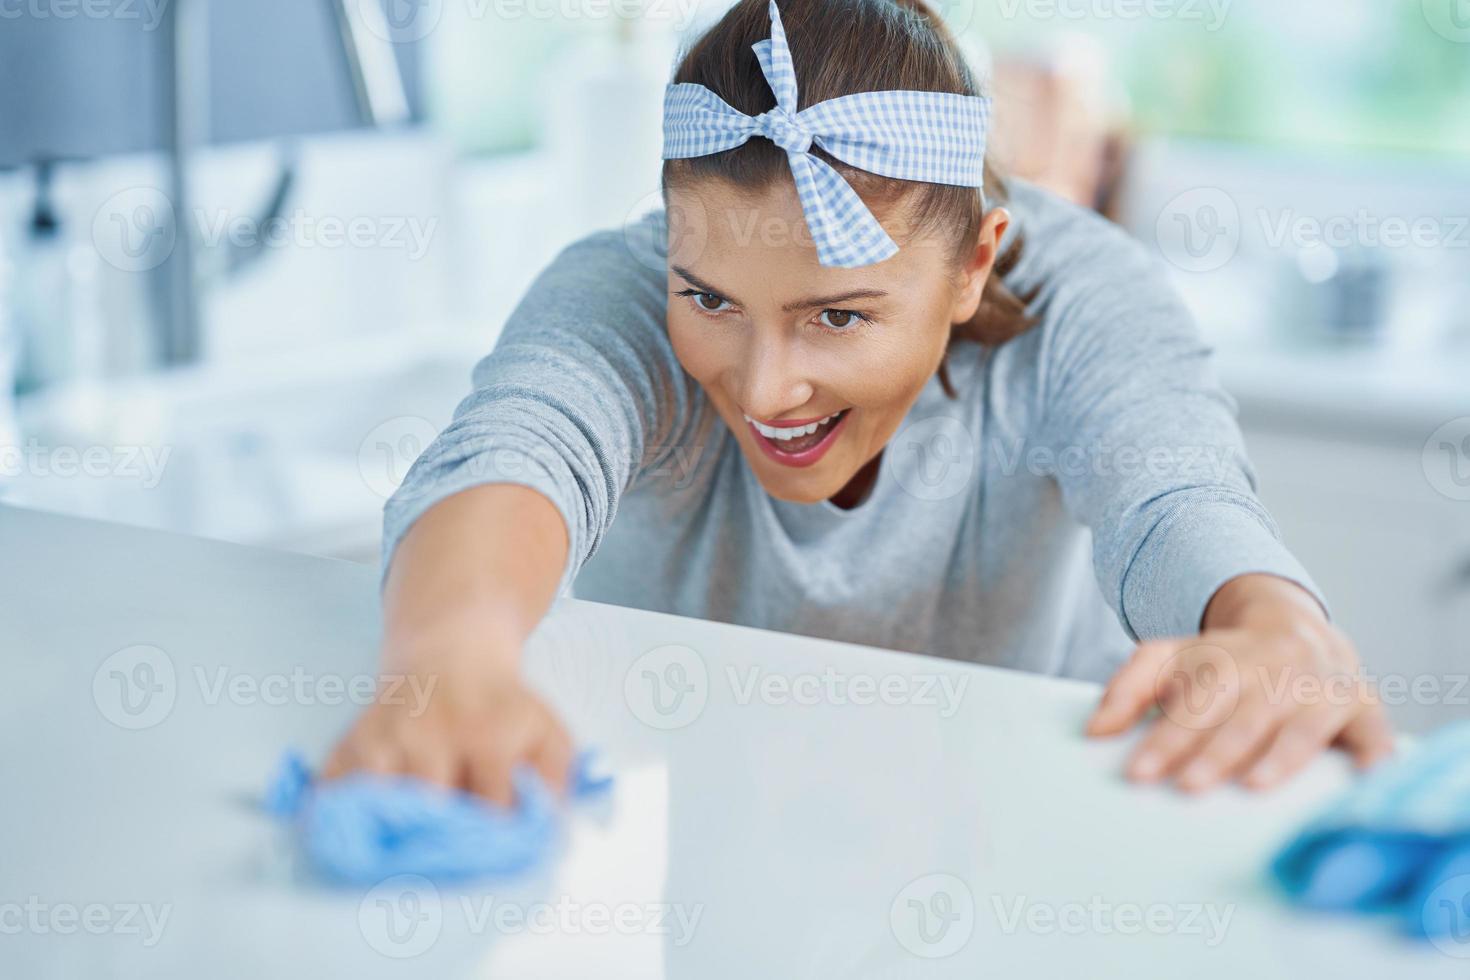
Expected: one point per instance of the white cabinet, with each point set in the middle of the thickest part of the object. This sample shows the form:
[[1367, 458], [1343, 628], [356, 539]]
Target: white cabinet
[[1391, 553]]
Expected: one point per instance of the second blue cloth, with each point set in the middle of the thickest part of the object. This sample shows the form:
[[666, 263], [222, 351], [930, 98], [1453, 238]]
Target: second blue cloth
[[1397, 843]]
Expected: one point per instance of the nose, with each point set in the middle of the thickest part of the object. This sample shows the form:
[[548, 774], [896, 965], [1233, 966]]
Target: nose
[[770, 381]]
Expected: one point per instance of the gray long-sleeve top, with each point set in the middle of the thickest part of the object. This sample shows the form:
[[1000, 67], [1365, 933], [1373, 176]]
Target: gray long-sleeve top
[[1088, 488]]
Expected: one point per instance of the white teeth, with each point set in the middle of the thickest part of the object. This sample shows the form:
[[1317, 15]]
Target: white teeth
[[782, 435]]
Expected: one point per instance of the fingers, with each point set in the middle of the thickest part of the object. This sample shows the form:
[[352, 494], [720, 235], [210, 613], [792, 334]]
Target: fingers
[[492, 749], [471, 743], [1133, 689], [491, 774], [552, 758], [1214, 722], [1228, 748], [1369, 736], [1362, 728], [1162, 750], [524, 732], [362, 754], [1221, 722], [1197, 688], [427, 758], [336, 765], [488, 774], [1300, 739]]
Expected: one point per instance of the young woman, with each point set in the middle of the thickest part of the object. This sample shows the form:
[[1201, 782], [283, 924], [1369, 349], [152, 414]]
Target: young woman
[[976, 416]]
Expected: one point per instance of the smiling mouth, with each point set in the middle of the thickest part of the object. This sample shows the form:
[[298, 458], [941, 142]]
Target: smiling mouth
[[798, 445]]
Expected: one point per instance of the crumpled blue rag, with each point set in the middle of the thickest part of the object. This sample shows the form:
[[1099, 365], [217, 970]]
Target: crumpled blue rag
[[1397, 843], [363, 828]]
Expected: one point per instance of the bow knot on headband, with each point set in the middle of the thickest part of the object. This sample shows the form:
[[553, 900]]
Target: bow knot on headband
[[936, 137], [781, 128]]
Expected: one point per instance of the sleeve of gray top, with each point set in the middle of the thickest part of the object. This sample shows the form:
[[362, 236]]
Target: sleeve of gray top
[[1145, 442], [580, 388]]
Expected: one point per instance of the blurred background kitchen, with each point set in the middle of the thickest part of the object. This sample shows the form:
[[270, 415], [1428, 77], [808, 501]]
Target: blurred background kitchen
[[249, 249]]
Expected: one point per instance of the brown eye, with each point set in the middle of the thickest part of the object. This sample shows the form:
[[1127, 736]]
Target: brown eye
[[840, 319], [709, 301]]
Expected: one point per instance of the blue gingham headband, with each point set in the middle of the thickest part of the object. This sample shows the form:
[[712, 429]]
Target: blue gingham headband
[[938, 137]]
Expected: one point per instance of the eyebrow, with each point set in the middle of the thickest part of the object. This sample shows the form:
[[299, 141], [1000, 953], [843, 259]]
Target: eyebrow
[[801, 304]]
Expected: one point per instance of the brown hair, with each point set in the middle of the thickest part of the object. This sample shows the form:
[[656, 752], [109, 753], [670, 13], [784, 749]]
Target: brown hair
[[840, 47]]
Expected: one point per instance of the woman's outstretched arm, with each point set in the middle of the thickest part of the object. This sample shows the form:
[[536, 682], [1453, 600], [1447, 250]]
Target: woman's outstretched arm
[[498, 515], [1237, 649], [468, 583]]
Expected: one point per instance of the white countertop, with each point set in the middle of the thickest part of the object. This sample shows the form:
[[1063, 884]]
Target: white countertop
[[764, 836]]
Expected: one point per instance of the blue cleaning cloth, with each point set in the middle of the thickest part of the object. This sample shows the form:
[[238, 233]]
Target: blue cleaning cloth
[[363, 828], [1397, 843]]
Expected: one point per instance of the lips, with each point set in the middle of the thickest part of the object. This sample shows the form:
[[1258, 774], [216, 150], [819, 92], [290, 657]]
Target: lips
[[781, 432], [815, 439]]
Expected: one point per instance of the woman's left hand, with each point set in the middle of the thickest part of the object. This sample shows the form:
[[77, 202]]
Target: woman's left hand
[[1255, 697]]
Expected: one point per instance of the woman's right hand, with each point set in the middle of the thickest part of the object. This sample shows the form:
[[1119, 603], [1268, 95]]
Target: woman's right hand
[[467, 585], [464, 727]]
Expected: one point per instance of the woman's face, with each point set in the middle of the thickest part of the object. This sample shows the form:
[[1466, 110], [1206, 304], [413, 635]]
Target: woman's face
[[775, 337]]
